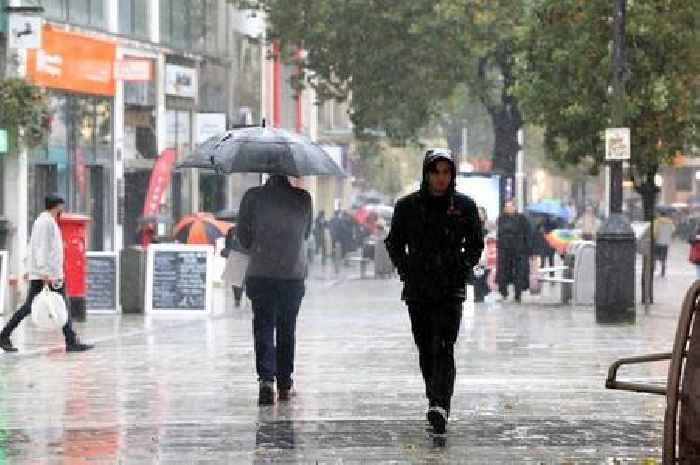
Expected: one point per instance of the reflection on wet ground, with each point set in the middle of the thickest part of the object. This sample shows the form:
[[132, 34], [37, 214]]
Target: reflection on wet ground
[[182, 391]]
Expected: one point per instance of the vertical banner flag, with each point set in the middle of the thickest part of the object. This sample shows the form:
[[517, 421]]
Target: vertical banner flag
[[160, 179]]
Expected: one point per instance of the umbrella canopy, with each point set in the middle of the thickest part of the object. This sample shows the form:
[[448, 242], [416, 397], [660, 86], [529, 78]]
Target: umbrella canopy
[[550, 207], [200, 229], [559, 239], [263, 150]]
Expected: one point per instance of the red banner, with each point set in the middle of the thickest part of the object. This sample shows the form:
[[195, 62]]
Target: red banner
[[80, 170], [160, 179]]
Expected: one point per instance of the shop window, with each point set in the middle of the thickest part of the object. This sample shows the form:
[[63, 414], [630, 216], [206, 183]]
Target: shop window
[[190, 25], [82, 12], [77, 163], [134, 18], [247, 86], [213, 88], [179, 136], [140, 141], [212, 192]]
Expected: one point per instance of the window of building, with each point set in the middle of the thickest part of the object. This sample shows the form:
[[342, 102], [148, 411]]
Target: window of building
[[134, 18], [77, 162], [179, 137], [81, 12], [190, 25], [247, 86]]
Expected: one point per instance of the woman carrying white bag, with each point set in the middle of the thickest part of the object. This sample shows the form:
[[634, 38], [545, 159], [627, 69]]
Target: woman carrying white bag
[[45, 274]]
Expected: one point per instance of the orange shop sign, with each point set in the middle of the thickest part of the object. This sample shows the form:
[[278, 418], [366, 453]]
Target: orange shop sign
[[73, 62]]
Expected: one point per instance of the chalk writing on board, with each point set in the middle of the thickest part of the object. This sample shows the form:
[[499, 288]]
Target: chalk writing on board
[[102, 282], [179, 280]]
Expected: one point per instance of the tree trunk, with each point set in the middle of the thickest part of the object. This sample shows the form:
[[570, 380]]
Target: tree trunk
[[506, 124]]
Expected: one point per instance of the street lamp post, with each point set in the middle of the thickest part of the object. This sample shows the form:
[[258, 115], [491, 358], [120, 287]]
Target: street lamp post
[[615, 241]]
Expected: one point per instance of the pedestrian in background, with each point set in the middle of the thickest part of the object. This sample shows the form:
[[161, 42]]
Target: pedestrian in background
[[663, 236], [274, 224], [514, 243], [694, 255], [320, 226], [436, 239], [481, 271], [44, 268], [588, 224]]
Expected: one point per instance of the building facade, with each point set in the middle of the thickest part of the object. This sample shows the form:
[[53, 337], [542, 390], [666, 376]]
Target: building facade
[[128, 80]]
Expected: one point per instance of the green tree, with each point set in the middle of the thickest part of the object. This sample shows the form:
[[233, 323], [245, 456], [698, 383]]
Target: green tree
[[564, 77], [400, 61], [24, 106]]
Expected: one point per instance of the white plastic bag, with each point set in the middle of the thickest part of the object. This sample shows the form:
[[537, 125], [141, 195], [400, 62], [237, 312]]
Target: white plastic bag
[[49, 311], [236, 267]]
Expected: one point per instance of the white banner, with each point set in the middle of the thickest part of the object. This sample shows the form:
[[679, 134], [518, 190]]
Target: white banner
[[180, 81]]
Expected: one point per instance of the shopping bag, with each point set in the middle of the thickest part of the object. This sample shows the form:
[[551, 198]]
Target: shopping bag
[[235, 269], [49, 311]]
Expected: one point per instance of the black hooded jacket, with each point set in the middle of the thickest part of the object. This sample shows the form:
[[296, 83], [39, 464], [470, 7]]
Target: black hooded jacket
[[435, 241]]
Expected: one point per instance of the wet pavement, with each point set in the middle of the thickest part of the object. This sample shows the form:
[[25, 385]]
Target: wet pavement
[[530, 386]]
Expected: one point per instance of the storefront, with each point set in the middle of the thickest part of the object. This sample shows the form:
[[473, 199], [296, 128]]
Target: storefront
[[77, 160], [140, 148], [214, 102], [180, 108]]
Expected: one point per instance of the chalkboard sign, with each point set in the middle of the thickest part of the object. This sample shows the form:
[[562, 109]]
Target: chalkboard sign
[[102, 285], [179, 278]]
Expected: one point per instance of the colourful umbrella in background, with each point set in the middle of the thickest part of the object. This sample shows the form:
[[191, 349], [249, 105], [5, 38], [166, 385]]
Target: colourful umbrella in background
[[550, 207], [559, 239], [200, 229]]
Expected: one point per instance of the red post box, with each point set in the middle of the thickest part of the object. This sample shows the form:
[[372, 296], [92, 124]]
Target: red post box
[[74, 233]]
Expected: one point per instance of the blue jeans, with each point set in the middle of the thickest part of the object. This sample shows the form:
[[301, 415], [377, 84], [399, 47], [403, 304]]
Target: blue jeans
[[276, 305]]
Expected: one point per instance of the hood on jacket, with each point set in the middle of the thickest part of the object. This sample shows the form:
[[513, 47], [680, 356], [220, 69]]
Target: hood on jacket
[[432, 156]]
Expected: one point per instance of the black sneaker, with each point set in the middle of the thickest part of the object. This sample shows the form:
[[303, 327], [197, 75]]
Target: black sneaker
[[437, 416], [78, 347], [285, 394], [266, 396], [6, 345]]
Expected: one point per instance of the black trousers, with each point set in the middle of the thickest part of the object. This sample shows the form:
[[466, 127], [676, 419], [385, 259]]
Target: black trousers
[[435, 327], [276, 305], [25, 310]]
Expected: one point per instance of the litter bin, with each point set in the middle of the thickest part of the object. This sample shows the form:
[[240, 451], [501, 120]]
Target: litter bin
[[74, 232], [132, 271]]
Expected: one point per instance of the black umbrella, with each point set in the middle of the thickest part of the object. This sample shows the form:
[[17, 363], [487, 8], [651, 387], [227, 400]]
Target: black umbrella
[[263, 150]]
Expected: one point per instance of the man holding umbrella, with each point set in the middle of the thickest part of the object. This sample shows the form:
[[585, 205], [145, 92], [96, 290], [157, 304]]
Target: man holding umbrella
[[274, 223]]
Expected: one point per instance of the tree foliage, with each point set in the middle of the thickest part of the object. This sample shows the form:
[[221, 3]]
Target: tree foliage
[[395, 59], [24, 106], [565, 72]]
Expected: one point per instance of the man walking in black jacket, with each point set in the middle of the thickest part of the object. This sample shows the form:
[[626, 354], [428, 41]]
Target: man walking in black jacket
[[436, 239]]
